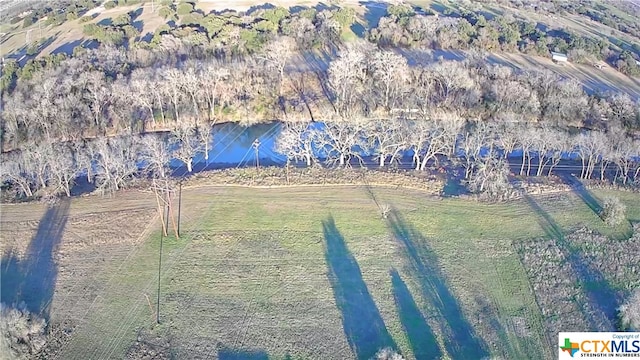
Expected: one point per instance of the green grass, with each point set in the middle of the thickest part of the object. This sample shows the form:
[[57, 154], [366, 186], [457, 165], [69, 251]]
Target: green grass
[[250, 272]]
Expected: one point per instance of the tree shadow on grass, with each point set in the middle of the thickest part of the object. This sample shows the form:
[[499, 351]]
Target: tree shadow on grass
[[597, 289], [583, 193], [423, 341], [361, 320], [232, 354], [460, 339], [31, 281]]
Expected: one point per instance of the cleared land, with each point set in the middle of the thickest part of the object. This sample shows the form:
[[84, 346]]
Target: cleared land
[[294, 271]]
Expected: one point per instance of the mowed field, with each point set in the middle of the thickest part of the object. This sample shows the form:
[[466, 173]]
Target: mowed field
[[305, 272]]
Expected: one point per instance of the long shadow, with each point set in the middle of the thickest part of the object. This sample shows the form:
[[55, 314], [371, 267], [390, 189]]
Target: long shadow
[[597, 289], [583, 193], [375, 10], [30, 282], [231, 354], [421, 337], [361, 320], [460, 339]]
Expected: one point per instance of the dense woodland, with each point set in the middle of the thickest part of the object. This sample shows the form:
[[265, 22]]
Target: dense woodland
[[86, 115]]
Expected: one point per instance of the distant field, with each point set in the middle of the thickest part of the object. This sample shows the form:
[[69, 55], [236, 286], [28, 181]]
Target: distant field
[[293, 271]]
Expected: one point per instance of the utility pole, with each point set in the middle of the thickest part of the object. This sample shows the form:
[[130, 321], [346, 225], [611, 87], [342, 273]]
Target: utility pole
[[256, 146], [179, 205], [160, 263]]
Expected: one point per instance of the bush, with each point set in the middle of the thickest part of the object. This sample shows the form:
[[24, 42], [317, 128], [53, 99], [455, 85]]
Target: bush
[[166, 12], [110, 4], [28, 21], [629, 313], [85, 19], [23, 333], [491, 180], [166, 2], [72, 16], [90, 29], [122, 20], [388, 354], [185, 8], [33, 49], [613, 211]]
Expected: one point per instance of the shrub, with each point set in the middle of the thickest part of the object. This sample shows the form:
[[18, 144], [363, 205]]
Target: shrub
[[166, 2], [23, 333], [166, 12], [613, 211], [130, 31], [91, 29], [122, 20], [72, 16], [28, 21], [185, 8], [110, 4], [33, 49], [85, 19], [388, 354], [491, 180], [629, 313]]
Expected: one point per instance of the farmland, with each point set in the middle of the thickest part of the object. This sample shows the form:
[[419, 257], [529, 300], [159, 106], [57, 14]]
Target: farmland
[[293, 271]]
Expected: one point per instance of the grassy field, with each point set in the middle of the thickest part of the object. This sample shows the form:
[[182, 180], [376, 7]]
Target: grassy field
[[302, 272]]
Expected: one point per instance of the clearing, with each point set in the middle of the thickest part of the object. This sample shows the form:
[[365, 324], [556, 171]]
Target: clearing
[[310, 272]]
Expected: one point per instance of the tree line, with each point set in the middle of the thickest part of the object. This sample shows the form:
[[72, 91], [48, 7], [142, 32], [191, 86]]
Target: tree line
[[84, 116], [466, 29], [110, 91]]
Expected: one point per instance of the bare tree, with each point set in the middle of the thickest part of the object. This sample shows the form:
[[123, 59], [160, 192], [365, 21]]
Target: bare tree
[[513, 96], [472, 144], [277, 53], [35, 160], [527, 143], [390, 76], [98, 96], [560, 146], [451, 81], [190, 84], [509, 138], [623, 152], [63, 168], [542, 139], [13, 170], [387, 138], [340, 140], [204, 132], [589, 147], [142, 93], [214, 85], [295, 141], [174, 79], [491, 179], [185, 142], [115, 162], [346, 78], [155, 154]]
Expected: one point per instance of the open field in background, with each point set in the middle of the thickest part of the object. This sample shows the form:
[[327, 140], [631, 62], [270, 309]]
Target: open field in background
[[291, 270]]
